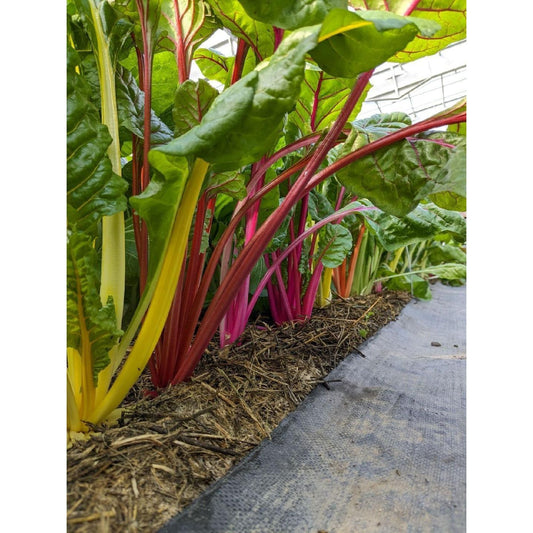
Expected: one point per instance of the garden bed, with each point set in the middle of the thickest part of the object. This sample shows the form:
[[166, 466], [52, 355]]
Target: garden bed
[[168, 449]]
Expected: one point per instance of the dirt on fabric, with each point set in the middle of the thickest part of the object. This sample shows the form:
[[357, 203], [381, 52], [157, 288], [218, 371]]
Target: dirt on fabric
[[166, 450]]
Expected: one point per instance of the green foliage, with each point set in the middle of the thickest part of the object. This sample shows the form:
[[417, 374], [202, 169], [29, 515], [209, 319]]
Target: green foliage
[[321, 99], [91, 327], [158, 203], [398, 177], [130, 105], [451, 17], [259, 36], [335, 243], [376, 36], [245, 121], [191, 102], [291, 14], [424, 222], [93, 190]]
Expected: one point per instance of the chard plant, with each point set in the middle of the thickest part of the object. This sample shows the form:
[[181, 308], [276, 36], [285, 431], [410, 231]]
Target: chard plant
[[290, 96]]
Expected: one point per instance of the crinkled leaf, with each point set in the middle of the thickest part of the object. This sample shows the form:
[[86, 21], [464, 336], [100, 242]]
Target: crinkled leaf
[[259, 36], [164, 78], [336, 243], [93, 190], [291, 14], [232, 184], [396, 178], [130, 103], [279, 241], [421, 224], [319, 206], [91, 326], [450, 15], [351, 43], [246, 120], [191, 103], [439, 253], [449, 191]]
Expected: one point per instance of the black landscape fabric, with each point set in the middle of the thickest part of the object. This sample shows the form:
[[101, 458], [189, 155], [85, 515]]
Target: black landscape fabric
[[381, 447]]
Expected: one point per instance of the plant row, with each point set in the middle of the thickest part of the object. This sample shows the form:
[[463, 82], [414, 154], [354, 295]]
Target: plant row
[[191, 204]]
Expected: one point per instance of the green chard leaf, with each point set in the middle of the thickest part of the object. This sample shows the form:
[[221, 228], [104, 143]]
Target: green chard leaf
[[291, 14], [396, 178], [321, 100], [245, 121], [335, 242], [232, 184], [91, 326], [158, 204], [191, 103], [449, 191], [217, 67], [351, 43], [439, 253], [423, 223], [450, 15], [319, 206], [130, 104], [93, 190]]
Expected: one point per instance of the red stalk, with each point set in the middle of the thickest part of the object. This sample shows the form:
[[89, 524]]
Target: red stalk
[[251, 253], [281, 257], [181, 53], [238, 65], [278, 37]]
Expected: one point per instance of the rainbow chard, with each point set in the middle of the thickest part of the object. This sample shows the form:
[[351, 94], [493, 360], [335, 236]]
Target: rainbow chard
[[95, 191], [231, 140], [265, 142]]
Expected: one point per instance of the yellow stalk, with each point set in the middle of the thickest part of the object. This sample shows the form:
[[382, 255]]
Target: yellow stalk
[[74, 373], [162, 299], [113, 270], [73, 414], [324, 293], [396, 259]]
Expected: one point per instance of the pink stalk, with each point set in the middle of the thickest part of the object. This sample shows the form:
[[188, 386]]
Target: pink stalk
[[411, 8], [280, 258], [235, 321]]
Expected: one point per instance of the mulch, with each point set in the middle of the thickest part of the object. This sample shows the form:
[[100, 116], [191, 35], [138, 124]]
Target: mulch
[[166, 450]]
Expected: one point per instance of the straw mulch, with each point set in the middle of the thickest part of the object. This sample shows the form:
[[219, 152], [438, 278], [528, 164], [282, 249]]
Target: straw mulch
[[166, 450]]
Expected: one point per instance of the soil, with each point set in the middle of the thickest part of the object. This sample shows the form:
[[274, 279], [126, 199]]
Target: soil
[[166, 450]]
